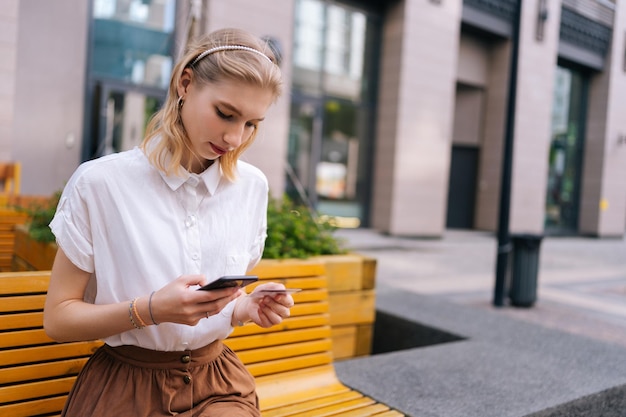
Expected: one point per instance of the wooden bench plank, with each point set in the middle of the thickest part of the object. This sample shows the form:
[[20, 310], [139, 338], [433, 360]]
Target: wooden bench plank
[[284, 351], [31, 390], [289, 364], [306, 404], [337, 409], [44, 406], [41, 370], [22, 303], [48, 352], [277, 338], [24, 338]]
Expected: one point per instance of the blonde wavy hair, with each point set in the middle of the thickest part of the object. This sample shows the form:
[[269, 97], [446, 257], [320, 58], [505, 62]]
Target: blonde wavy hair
[[234, 65]]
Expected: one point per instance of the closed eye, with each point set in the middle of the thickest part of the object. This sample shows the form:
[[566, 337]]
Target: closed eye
[[222, 115]]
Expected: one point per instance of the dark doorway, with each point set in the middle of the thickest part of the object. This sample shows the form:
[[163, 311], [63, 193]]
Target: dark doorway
[[462, 187]]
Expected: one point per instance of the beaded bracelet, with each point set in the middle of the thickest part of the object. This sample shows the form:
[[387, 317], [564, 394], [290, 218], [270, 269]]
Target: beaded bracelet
[[132, 312], [150, 309]]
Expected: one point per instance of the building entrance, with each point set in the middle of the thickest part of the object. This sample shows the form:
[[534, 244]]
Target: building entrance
[[565, 163]]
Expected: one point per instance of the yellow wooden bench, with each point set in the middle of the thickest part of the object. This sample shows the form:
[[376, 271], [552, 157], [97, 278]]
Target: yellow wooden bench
[[292, 362]]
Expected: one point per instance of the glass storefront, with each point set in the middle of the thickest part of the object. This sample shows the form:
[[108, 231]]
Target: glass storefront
[[332, 111], [129, 70], [565, 158]]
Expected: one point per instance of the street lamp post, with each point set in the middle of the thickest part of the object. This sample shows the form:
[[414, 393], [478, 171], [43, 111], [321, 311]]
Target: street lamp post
[[504, 238]]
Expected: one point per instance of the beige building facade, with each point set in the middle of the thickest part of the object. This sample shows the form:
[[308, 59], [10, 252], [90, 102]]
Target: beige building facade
[[394, 113]]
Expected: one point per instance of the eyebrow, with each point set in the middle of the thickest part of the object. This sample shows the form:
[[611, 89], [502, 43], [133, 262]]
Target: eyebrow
[[236, 110]]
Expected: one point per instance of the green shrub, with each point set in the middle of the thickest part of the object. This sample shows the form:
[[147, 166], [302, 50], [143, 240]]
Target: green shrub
[[292, 232], [41, 215]]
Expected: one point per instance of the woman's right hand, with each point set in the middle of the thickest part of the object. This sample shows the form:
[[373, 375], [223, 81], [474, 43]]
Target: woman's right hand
[[179, 302]]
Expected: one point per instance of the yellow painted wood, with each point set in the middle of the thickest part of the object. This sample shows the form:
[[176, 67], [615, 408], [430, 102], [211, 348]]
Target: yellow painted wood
[[307, 404], [344, 272], [344, 341], [23, 338], [22, 303], [277, 338], [276, 269], [292, 362], [364, 339], [291, 323], [337, 409], [284, 351], [48, 352], [21, 320], [369, 273], [22, 373], [34, 408], [38, 389], [352, 307], [24, 282]]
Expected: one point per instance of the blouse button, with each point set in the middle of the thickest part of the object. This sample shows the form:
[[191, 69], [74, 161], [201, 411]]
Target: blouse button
[[186, 379], [190, 221], [185, 359]]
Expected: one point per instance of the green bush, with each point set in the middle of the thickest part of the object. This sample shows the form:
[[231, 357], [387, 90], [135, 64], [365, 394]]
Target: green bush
[[41, 215], [292, 232]]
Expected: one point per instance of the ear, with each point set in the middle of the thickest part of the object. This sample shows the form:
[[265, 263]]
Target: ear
[[184, 82]]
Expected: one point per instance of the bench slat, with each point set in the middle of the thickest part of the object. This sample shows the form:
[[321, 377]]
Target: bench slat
[[42, 370], [290, 364], [34, 407], [32, 282], [24, 338], [21, 320], [276, 269], [48, 352], [285, 351], [22, 303], [277, 338], [338, 409], [31, 390], [306, 404], [291, 323]]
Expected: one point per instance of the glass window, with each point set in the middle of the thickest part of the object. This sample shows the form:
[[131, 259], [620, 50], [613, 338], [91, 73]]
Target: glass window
[[132, 41], [332, 113], [565, 159]]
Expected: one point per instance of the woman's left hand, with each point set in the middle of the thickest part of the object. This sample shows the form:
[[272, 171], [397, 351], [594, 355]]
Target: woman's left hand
[[264, 308]]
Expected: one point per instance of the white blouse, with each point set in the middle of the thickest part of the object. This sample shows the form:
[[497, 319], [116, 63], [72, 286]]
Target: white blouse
[[136, 229]]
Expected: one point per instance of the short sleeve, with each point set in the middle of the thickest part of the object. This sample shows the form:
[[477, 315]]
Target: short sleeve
[[71, 227]]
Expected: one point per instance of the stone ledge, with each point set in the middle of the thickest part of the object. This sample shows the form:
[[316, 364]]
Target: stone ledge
[[503, 368]]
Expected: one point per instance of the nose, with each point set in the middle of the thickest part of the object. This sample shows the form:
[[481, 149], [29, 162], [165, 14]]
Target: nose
[[234, 136]]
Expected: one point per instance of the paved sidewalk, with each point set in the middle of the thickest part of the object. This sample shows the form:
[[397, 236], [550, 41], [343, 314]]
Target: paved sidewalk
[[582, 281]]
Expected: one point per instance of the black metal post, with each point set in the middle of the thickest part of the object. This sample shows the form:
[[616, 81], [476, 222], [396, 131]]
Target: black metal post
[[504, 238]]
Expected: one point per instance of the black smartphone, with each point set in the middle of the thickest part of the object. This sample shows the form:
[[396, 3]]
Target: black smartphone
[[230, 281]]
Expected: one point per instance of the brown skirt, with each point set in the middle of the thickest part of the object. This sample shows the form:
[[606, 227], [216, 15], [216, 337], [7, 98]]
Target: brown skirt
[[132, 381]]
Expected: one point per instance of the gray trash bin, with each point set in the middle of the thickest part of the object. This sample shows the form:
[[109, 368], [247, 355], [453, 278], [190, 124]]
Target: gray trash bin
[[524, 269]]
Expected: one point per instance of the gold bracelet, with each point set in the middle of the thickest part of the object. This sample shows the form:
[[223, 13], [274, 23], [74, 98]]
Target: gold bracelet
[[132, 309]]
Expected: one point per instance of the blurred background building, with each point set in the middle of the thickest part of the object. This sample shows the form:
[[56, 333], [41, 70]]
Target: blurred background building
[[394, 111]]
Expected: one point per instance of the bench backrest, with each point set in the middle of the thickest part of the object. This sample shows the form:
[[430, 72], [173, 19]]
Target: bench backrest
[[36, 373]]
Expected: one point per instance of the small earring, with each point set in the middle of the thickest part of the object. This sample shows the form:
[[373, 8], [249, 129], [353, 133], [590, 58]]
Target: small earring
[[180, 102]]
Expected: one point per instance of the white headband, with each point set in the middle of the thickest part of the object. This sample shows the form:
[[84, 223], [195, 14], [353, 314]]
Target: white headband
[[229, 48]]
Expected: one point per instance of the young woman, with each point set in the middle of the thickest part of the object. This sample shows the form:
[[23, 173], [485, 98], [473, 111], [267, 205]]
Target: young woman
[[139, 231]]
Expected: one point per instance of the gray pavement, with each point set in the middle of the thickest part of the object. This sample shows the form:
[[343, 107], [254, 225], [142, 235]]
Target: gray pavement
[[565, 356], [581, 281]]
